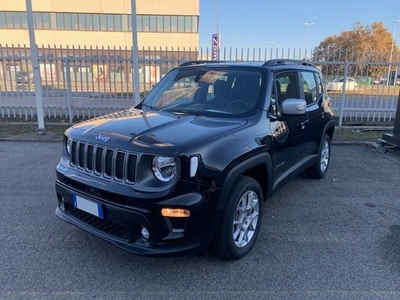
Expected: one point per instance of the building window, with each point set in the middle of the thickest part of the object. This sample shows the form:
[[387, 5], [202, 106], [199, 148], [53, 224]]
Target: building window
[[46, 20], [53, 21], [17, 20], [24, 20], [74, 21], [188, 24], [139, 21], [153, 23], [124, 22], [103, 22], [174, 23], [181, 24], [110, 22], [60, 21], [195, 22], [67, 21], [96, 22], [167, 23], [117, 23], [89, 21], [38, 20], [82, 21], [146, 26], [3, 20], [160, 23], [9, 19]]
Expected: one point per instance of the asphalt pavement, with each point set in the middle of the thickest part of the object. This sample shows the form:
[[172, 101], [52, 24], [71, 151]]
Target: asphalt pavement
[[334, 238]]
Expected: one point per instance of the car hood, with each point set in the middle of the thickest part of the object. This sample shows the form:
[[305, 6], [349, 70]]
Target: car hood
[[151, 131]]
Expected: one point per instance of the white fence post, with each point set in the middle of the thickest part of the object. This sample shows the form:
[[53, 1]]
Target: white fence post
[[69, 92], [346, 69]]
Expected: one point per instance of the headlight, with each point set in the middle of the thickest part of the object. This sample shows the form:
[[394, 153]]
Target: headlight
[[69, 146], [164, 168]]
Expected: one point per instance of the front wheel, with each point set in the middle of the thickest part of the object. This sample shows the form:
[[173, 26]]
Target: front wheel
[[319, 169], [241, 220]]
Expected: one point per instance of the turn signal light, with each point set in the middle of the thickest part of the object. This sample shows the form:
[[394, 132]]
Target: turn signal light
[[175, 212]]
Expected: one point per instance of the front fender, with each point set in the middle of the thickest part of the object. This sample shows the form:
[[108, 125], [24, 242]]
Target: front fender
[[265, 180]]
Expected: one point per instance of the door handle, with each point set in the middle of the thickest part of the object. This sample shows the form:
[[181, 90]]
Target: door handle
[[302, 125]]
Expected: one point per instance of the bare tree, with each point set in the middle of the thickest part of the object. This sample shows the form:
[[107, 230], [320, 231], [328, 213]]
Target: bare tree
[[361, 44]]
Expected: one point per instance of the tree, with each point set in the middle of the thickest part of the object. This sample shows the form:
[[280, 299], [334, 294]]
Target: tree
[[361, 44]]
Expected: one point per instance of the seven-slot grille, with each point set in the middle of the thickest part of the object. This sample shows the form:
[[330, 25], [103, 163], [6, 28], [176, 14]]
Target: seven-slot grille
[[103, 161]]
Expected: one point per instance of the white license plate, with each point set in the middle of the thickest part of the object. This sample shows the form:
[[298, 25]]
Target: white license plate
[[90, 207]]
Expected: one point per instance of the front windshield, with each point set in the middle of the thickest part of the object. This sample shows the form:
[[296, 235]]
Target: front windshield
[[207, 90]]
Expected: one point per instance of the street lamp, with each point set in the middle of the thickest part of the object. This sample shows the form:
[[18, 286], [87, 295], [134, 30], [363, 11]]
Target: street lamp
[[308, 36], [391, 51]]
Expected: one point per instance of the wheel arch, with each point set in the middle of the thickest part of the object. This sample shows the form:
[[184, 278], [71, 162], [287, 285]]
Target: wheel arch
[[257, 167], [330, 129]]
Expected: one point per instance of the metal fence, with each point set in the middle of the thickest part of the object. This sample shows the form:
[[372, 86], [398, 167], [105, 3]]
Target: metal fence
[[79, 83]]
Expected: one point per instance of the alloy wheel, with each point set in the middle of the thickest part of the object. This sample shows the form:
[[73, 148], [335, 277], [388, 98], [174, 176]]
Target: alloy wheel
[[324, 156], [246, 219]]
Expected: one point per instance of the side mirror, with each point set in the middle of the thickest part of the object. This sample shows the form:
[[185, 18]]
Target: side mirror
[[293, 106]]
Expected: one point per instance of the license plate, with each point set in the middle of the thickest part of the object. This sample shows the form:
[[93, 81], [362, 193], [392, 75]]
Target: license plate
[[90, 207]]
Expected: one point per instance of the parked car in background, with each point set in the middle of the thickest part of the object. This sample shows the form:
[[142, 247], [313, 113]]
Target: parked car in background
[[337, 84], [385, 81], [379, 81], [24, 77]]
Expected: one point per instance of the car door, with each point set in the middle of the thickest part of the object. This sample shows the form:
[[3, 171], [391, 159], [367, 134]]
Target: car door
[[289, 132], [314, 96]]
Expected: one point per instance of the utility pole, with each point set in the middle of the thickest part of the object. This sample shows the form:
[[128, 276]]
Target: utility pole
[[135, 55], [308, 37], [36, 71]]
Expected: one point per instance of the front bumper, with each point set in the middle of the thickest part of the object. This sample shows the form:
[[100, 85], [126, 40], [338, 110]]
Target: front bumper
[[121, 224]]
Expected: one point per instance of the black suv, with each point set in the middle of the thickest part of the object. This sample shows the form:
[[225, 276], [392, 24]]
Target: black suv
[[192, 164]]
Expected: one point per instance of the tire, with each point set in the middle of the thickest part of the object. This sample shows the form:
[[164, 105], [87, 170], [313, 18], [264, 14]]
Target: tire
[[319, 169], [241, 220]]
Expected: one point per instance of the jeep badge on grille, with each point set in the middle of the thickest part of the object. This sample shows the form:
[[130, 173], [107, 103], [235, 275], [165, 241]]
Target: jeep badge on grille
[[102, 138]]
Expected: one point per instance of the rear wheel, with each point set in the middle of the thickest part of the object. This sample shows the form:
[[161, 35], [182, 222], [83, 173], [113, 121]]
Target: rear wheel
[[320, 167], [241, 220]]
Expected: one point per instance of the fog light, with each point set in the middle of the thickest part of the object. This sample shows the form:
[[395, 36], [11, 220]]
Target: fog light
[[175, 212], [145, 234]]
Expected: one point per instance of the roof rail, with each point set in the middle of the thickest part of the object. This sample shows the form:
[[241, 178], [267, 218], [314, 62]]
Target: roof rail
[[198, 62], [273, 62]]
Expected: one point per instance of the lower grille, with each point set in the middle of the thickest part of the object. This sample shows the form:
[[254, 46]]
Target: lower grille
[[110, 163], [108, 227]]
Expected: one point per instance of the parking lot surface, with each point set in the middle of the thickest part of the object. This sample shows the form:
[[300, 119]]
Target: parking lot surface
[[335, 238]]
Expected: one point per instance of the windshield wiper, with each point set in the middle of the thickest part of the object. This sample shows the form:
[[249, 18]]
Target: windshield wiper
[[186, 112], [148, 106]]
